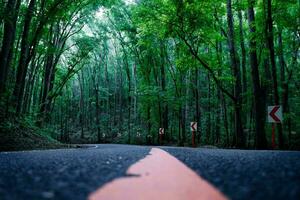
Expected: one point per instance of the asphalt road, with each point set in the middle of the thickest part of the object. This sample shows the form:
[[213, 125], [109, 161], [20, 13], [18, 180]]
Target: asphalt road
[[75, 173], [244, 174]]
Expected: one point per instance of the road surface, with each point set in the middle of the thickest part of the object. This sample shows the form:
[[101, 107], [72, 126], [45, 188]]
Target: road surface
[[77, 173]]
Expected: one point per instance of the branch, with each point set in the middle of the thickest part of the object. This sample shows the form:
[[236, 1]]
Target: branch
[[207, 67]]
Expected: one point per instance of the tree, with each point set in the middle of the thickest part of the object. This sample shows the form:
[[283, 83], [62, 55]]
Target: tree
[[237, 75], [115, 72], [259, 105]]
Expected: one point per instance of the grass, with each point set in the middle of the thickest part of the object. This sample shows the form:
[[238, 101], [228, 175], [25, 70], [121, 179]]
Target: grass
[[19, 135]]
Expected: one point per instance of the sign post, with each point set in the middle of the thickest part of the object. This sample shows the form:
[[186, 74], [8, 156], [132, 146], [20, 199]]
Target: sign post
[[161, 132], [104, 137], [193, 129], [274, 116]]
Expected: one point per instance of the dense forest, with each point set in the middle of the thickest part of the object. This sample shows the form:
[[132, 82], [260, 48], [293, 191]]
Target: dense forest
[[100, 71]]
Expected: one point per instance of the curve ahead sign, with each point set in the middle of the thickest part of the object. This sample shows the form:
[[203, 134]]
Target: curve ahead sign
[[275, 114], [193, 126]]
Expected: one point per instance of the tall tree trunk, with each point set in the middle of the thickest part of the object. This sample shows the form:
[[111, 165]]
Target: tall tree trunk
[[182, 110], [243, 55], [218, 118], [270, 41], [96, 91], [225, 118], [30, 84], [121, 99], [115, 96], [208, 120], [196, 101], [9, 32], [128, 74], [240, 141], [49, 73], [109, 99], [23, 66], [259, 106], [135, 98], [163, 87], [97, 103], [81, 104], [221, 99], [285, 95], [282, 71], [149, 136]]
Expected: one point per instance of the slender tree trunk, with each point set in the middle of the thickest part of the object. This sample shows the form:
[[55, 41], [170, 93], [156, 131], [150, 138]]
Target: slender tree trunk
[[282, 71], [23, 66], [208, 120], [97, 114], [225, 118], [182, 110], [30, 84], [135, 98], [285, 94], [115, 96], [149, 125], [197, 117], [96, 95], [121, 100], [259, 106], [49, 75], [127, 69], [163, 87], [9, 31], [243, 55], [109, 100], [240, 141], [270, 41], [81, 104], [218, 118]]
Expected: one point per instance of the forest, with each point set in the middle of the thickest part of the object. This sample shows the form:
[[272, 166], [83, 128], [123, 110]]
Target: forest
[[116, 71]]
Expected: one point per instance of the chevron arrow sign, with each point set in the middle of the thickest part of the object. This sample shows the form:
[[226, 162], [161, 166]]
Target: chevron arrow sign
[[275, 114]]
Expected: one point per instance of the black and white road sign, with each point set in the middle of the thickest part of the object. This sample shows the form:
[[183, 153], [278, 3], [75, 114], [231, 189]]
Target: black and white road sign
[[161, 131], [193, 126], [275, 114]]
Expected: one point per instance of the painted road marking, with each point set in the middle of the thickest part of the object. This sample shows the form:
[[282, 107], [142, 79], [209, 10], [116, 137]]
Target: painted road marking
[[158, 176]]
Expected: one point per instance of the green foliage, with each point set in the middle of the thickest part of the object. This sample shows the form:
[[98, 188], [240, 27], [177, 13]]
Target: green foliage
[[103, 66]]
